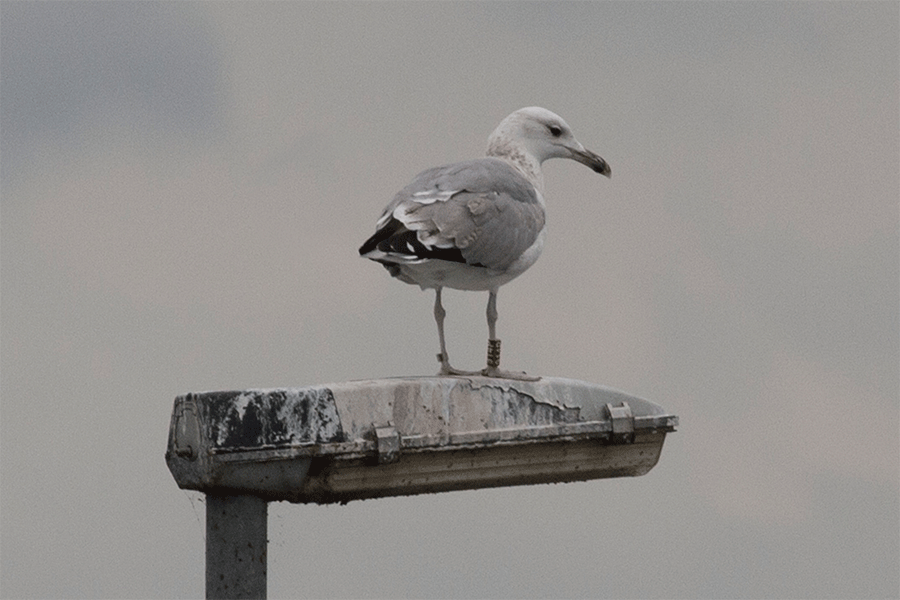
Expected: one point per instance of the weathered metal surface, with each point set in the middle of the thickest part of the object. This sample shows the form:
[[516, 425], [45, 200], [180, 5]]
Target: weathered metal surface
[[254, 418], [366, 439]]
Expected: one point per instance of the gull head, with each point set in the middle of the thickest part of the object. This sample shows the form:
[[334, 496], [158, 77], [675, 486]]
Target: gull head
[[531, 135]]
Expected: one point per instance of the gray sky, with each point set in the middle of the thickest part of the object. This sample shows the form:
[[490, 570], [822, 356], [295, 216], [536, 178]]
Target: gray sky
[[184, 187]]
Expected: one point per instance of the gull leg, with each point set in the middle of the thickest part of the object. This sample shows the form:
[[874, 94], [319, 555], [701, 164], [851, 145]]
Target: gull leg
[[492, 315], [439, 314], [493, 354], [443, 357]]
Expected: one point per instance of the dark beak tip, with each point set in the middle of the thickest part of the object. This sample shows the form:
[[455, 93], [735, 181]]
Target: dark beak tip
[[596, 162]]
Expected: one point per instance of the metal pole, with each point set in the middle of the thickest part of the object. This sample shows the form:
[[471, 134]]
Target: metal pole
[[235, 546]]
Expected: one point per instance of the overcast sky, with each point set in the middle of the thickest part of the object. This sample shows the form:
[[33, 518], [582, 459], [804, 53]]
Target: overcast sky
[[184, 189]]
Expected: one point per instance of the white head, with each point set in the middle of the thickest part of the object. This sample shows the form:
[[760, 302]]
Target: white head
[[529, 136]]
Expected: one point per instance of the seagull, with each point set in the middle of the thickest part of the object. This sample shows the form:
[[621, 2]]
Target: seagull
[[478, 224]]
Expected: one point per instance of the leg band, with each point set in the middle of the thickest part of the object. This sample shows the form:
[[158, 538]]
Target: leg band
[[493, 355]]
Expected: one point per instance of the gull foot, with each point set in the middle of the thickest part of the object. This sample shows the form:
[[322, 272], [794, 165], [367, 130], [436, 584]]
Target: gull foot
[[448, 371], [501, 374]]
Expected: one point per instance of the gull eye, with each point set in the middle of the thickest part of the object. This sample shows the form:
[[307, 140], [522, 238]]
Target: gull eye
[[554, 130]]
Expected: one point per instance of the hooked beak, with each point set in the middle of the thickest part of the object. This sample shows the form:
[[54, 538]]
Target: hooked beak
[[594, 161]]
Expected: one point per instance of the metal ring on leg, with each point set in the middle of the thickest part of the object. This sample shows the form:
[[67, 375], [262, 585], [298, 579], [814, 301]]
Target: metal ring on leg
[[493, 354]]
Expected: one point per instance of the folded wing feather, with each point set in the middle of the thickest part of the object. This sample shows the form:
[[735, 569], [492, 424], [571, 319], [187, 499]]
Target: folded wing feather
[[482, 208]]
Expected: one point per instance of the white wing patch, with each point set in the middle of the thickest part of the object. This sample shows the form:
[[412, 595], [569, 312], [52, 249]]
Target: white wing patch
[[410, 214], [423, 197], [432, 195]]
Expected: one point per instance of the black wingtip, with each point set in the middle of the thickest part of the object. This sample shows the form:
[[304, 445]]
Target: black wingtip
[[389, 229]]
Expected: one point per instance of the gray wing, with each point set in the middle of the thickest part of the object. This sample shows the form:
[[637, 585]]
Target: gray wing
[[484, 208]]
